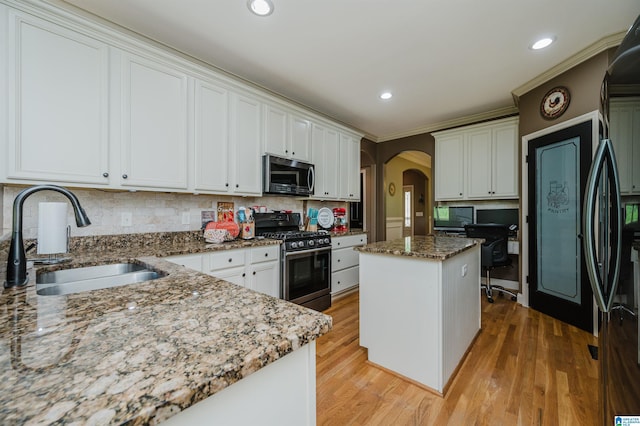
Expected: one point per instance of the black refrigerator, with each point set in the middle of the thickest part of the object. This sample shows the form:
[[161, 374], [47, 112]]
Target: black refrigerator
[[610, 229]]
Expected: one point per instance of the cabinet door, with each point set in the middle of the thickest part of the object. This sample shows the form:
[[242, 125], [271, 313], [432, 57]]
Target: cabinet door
[[211, 138], [58, 103], [300, 136], [478, 151], [154, 124], [449, 167], [504, 179], [325, 151], [349, 168], [237, 276], [275, 130], [245, 143], [635, 150], [621, 134], [265, 278]]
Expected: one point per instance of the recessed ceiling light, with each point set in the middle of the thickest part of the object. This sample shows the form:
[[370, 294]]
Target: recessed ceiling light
[[260, 7], [542, 43], [386, 95]]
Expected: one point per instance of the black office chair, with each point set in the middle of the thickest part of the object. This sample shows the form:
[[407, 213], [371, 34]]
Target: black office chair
[[493, 252]]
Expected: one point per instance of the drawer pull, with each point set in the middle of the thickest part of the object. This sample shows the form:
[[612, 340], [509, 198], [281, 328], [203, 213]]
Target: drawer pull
[[254, 272], [266, 255], [230, 259], [244, 275]]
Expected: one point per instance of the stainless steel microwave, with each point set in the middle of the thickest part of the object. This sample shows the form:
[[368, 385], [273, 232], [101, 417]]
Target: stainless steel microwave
[[287, 177]]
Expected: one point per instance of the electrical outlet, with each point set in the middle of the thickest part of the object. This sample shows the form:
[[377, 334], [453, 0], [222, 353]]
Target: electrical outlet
[[186, 218], [465, 268], [127, 219]]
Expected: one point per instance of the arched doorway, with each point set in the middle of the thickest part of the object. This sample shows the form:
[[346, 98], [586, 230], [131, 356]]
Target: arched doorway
[[408, 201]]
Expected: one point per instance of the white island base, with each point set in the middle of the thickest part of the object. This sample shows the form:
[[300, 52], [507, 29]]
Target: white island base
[[282, 393], [418, 316]]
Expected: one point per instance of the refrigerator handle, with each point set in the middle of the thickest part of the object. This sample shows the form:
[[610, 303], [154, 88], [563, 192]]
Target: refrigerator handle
[[604, 157]]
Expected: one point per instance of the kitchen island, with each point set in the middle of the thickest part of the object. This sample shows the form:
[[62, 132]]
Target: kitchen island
[[185, 347], [420, 306]]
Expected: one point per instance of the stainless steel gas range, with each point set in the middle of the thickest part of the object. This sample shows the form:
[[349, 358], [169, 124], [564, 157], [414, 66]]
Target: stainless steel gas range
[[305, 259]]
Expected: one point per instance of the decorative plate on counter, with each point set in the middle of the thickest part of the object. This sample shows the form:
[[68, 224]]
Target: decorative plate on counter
[[325, 218]]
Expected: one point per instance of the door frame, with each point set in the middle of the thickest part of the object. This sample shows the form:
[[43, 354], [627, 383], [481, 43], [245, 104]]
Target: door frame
[[596, 118], [409, 188]]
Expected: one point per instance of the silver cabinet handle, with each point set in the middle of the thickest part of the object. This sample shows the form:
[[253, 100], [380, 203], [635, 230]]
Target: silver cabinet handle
[[105, 174], [124, 176]]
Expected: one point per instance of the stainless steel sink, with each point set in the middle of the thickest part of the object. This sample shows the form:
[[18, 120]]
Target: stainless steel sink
[[77, 280]]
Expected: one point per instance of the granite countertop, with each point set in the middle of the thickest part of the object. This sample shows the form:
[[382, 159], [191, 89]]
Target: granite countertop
[[428, 247], [138, 354]]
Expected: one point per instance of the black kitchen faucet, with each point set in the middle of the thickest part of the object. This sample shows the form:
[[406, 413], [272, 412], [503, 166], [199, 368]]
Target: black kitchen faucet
[[17, 261]]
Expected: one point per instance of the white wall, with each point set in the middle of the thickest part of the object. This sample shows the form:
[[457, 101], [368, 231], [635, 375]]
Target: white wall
[[151, 211]]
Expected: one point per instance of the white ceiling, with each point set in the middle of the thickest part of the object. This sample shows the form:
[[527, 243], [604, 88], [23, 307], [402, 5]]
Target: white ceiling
[[442, 59]]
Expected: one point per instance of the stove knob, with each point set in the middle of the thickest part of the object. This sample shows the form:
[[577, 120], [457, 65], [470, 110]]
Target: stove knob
[[311, 242], [327, 241], [301, 244], [294, 245]]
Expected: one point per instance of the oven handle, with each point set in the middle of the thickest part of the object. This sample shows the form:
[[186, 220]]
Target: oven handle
[[301, 252]]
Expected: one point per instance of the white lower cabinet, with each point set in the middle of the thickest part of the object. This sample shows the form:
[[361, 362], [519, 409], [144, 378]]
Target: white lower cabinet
[[345, 266], [255, 268]]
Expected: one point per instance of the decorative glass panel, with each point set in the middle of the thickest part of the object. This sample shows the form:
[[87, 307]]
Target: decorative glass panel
[[558, 219]]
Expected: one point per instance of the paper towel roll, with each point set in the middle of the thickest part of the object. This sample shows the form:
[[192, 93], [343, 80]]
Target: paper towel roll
[[52, 228]]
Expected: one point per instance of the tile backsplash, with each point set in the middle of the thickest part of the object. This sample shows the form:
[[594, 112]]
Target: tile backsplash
[[150, 211]]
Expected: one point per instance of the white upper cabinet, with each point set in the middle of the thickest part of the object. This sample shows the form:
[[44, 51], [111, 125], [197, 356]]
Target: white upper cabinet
[[349, 168], [325, 149], [275, 130], [624, 132], [227, 141], [287, 134], [245, 144], [154, 132], [212, 153], [477, 162], [90, 106], [300, 137], [449, 167], [492, 162], [504, 165], [58, 103]]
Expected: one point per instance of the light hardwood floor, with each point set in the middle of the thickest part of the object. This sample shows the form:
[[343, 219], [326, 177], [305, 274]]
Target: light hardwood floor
[[525, 368]]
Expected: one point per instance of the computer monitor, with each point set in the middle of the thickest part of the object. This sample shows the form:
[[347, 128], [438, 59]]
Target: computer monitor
[[454, 219], [501, 216]]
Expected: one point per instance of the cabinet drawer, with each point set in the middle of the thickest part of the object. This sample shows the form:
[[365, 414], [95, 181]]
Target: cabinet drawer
[[348, 241], [235, 276], [227, 259], [344, 258], [192, 261], [265, 254], [345, 279]]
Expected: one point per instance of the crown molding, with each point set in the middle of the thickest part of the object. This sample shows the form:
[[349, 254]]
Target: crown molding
[[456, 122], [589, 52]]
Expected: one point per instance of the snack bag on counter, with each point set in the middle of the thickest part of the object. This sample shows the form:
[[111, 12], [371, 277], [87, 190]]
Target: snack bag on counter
[[246, 223]]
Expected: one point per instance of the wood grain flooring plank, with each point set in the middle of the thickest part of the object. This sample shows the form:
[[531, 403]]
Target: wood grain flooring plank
[[524, 368]]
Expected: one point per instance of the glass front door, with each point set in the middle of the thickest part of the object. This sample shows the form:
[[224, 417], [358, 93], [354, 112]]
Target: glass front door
[[558, 168]]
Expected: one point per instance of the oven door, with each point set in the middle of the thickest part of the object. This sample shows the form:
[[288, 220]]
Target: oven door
[[306, 275]]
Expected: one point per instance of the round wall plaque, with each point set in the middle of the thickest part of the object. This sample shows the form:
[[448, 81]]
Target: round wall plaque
[[555, 102]]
